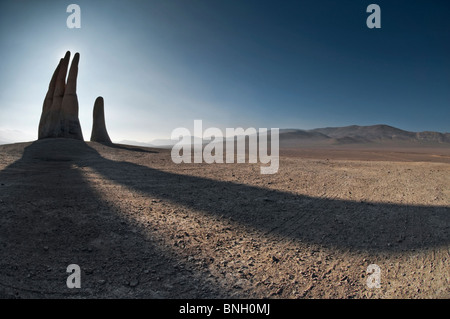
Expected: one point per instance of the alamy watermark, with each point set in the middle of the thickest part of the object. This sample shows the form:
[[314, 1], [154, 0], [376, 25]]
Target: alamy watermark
[[374, 20], [74, 279], [214, 151], [374, 279], [74, 19]]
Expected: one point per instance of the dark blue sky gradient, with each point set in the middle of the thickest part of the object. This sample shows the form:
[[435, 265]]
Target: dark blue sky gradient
[[287, 64]]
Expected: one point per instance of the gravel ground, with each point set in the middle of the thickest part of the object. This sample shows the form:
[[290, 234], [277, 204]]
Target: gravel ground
[[140, 226]]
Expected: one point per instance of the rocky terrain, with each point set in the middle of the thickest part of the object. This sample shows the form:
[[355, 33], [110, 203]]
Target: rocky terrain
[[140, 226]]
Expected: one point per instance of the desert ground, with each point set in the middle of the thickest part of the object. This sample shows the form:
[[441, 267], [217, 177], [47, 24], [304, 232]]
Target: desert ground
[[140, 226]]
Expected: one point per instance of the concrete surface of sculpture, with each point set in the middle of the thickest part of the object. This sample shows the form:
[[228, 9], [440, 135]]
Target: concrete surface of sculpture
[[59, 116], [99, 132]]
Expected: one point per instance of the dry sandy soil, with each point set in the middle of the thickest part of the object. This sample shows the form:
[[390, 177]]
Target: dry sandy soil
[[140, 226]]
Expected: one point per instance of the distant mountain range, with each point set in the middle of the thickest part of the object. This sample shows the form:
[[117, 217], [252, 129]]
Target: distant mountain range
[[354, 134], [347, 135]]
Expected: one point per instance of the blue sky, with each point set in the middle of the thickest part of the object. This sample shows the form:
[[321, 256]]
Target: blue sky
[[289, 64]]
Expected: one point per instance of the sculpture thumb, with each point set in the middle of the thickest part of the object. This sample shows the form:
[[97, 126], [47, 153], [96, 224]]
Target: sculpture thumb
[[99, 132]]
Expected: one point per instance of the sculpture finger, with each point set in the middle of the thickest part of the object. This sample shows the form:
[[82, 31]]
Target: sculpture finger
[[51, 89], [52, 127], [48, 103], [70, 99], [60, 84], [71, 127], [71, 87]]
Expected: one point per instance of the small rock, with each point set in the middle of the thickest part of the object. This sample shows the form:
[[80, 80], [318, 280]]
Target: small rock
[[134, 283]]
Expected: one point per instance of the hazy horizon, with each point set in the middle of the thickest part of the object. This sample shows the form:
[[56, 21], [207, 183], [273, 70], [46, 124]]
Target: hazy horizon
[[15, 136], [160, 65]]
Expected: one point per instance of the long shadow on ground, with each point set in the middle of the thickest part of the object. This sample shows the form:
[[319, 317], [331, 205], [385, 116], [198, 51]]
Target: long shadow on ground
[[41, 230], [342, 224], [51, 217]]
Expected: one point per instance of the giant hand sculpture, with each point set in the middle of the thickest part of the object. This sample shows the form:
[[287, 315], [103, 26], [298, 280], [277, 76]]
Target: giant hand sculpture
[[59, 116]]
